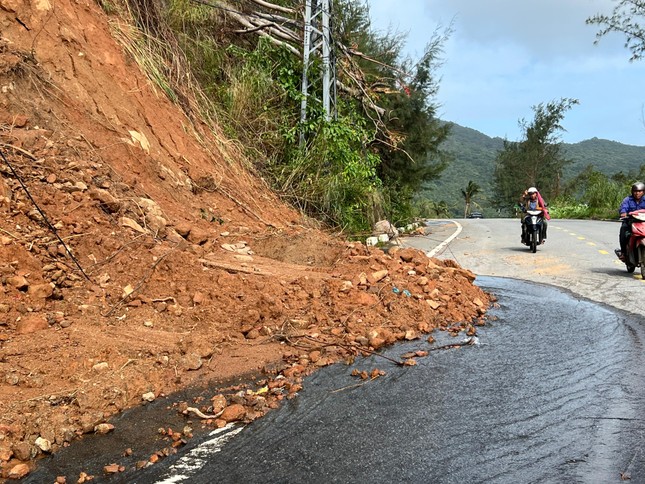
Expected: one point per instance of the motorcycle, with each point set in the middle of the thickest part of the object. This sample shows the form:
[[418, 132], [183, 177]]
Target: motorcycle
[[635, 256], [533, 234]]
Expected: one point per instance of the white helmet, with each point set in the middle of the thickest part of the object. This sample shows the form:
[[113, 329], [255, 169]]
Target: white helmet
[[532, 190]]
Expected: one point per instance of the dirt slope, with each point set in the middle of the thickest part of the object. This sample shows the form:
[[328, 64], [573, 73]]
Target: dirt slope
[[139, 256]]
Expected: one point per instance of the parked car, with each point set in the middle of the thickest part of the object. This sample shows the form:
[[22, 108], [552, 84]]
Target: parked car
[[475, 215]]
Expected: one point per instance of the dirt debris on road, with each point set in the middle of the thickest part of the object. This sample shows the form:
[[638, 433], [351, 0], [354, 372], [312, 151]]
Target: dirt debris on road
[[139, 255]]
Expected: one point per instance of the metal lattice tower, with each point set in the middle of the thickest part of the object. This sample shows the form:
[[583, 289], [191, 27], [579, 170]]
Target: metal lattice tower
[[317, 41]]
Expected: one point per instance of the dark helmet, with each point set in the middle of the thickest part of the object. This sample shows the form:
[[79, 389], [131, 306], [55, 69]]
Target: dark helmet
[[638, 187]]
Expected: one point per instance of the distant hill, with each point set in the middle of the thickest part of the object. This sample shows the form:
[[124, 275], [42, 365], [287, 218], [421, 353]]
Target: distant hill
[[474, 159], [606, 156]]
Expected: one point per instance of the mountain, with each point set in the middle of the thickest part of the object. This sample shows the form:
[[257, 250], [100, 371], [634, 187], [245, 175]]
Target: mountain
[[606, 156], [474, 159]]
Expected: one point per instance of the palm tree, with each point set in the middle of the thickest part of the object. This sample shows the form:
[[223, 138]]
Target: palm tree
[[441, 209], [471, 190]]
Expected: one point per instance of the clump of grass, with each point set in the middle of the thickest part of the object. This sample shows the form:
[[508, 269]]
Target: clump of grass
[[108, 7], [147, 51]]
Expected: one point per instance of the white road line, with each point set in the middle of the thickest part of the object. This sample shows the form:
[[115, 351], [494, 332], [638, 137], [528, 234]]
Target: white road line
[[445, 243], [194, 460]]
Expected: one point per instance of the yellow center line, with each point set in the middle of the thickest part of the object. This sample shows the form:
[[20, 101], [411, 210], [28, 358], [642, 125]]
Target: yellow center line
[[593, 244], [603, 252], [581, 238]]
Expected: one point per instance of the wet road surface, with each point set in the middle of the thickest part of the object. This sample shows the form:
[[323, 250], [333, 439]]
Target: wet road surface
[[552, 393]]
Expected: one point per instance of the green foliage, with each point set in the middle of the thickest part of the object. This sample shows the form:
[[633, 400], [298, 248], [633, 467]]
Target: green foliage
[[332, 177], [425, 208], [608, 157], [625, 18], [591, 194], [537, 160], [411, 153], [254, 92], [570, 209], [469, 192], [473, 156], [398, 164]]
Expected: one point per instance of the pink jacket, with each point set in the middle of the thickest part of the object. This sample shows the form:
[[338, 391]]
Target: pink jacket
[[546, 210]]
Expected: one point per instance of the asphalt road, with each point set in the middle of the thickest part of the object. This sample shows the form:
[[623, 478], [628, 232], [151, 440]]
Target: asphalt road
[[550, 393], [578, 255]]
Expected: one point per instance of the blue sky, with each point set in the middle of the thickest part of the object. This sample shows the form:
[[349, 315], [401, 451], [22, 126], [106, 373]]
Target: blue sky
[[505, 56]]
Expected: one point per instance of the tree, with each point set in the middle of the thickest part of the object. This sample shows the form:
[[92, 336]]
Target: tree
[[624, 19], [598, 191], [537, 160], [471, 190], [409, 146], [426, 208]]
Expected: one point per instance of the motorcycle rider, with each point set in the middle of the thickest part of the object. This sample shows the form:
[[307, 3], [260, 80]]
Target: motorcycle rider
[[531, 200], [635, 201]]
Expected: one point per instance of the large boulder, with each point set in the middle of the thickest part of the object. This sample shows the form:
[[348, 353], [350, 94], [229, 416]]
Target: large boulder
[[385, 227]]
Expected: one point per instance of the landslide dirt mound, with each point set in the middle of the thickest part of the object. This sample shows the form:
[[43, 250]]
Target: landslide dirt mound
[[139, 255]]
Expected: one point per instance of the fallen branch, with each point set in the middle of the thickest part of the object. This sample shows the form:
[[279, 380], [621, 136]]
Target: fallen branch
[[164, 299], [197, 412], [144, 279], [240, 18], [126, 364], [466, 342], [229, 267], [119, 250], [273, 6], [10, 234], [353, 386], [24, 152]]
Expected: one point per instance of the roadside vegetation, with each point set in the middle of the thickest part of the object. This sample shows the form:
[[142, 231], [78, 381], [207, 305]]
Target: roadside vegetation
[[539, 160], [239, 66], [474, 156], [383, 153], [469, 193]]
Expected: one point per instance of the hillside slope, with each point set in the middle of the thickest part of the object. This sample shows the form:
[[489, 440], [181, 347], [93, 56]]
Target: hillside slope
[[139, 256]]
